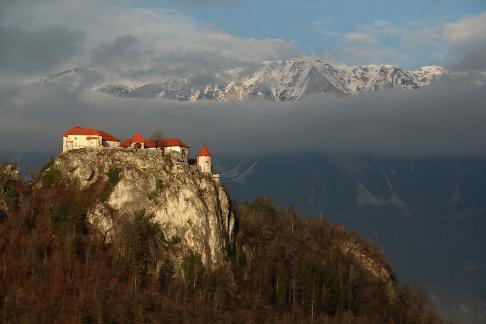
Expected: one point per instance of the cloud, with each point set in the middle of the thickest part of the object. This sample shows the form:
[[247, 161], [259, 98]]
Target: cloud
[[305, 5], [467, 39], [370, 54], [383, 27], [138, 40], [410, 44], [474, 60], [37, 51], [445, 119], [323, 26], [360, 38], [123, 48], [218, 2], [466, 31], [364, 45], [419, 36]]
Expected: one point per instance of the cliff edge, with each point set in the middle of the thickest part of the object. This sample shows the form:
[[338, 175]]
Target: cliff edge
[[191, 208]]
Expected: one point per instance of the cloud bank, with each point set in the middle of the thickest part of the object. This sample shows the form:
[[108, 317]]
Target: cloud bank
[[443, 119]]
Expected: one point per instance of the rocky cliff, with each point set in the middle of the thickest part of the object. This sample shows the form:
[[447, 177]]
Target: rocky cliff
[[192, 210]]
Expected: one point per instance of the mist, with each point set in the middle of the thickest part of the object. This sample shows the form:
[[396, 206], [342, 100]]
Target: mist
[[446, 118]]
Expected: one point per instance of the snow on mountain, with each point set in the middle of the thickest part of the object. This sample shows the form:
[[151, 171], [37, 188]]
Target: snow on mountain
[[426, 74], [282, 80]]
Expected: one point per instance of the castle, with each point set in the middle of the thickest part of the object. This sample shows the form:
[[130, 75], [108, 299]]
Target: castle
[[80, 137]]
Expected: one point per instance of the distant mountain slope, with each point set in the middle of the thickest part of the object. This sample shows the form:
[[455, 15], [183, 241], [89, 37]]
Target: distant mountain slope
[[282, 80], [428, 214]]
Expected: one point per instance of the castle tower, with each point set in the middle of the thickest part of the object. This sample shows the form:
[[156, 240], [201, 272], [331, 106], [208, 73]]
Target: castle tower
[[204, 160], [138, 141]]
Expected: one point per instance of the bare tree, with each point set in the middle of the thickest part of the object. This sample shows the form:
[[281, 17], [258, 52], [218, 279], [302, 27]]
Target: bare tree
[[156, 137]]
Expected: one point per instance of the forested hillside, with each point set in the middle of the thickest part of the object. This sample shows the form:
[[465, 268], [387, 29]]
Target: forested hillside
[[55, 267]]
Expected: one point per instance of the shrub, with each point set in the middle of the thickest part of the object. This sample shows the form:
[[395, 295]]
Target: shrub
[[159, 184], [58, 217], [51, 176], [162, 236], [80, 222], [192, 266], [11, 196], [113, 178], [47, 165], [139, 216], [105, 194], [174, 240], [152, 194], [166, 272]]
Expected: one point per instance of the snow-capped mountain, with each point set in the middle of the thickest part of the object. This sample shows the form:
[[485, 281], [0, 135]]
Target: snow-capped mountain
[[282, 80]]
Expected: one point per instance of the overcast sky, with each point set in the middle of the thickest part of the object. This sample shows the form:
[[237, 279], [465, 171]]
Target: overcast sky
[[136, 39]]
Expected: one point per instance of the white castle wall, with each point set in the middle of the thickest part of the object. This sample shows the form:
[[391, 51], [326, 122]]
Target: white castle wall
[[204, 163], [182, 152], [111, 144], [71, 142]]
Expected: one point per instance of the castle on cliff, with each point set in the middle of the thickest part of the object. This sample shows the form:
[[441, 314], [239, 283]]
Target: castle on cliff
[[80, 137]]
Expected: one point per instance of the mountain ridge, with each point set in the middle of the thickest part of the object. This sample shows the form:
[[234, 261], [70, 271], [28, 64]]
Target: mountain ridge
[[280, 80]]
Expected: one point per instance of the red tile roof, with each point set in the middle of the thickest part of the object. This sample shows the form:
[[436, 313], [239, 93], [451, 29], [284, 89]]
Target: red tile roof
[[138, 138], [149, 144], [108, 137], [204, 151], [166, 142], [126, 143], [77, 130]]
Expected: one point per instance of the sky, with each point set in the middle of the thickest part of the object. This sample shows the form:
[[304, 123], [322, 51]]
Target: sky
[[136, 37], [332, 28], [144, 35], [127, 39]]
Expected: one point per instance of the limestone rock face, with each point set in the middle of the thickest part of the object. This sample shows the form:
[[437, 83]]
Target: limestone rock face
[[368, 262], [189, 205]]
